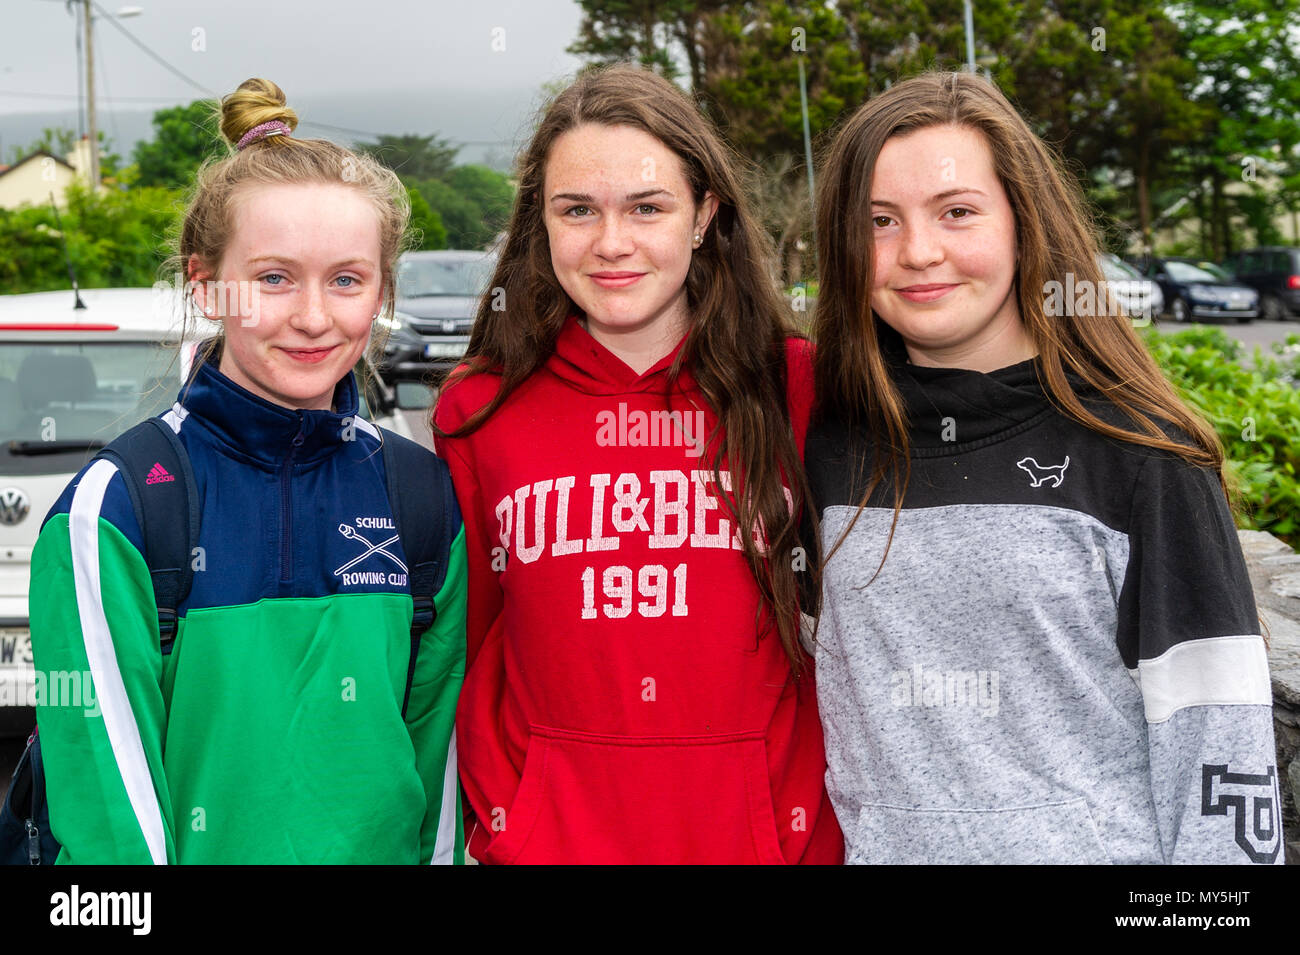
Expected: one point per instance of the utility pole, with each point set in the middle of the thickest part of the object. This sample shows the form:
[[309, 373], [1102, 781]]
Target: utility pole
[[970, 37], [90, 98]]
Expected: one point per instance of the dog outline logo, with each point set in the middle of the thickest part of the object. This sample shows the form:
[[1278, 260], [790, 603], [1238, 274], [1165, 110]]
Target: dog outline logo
[[1221, 789], [1039, 473], [348, 531]]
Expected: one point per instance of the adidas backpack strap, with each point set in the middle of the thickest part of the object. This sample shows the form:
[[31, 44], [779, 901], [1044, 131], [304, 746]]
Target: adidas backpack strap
[[156, 471]]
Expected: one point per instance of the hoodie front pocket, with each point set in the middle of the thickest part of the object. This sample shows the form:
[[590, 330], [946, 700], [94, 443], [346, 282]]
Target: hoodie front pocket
[[1060, 833], [588, 798]]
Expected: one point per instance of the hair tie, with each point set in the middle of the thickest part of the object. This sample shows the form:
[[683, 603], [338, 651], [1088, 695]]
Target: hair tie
[[262, 131]]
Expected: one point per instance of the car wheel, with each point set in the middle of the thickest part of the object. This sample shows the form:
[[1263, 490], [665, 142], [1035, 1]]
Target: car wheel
[[1179, 310], [1270, 310]]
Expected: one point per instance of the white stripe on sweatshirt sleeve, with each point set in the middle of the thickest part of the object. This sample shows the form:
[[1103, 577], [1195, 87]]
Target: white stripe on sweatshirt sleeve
[[119, 720], [1204, 672], [444, 845]]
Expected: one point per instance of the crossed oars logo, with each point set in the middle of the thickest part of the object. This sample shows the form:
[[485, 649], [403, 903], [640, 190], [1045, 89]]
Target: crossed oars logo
[[348, 531]]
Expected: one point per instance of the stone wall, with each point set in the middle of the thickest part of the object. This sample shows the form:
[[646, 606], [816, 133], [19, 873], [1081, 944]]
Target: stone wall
[[1275, 574]]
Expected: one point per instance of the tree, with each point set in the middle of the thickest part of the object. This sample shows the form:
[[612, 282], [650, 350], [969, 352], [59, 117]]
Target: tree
[[184, 136], [654, 33], [115, 239], [752, 84], [474, 204], [413, 157], [426, 225], [1247, 58], [492, 194]]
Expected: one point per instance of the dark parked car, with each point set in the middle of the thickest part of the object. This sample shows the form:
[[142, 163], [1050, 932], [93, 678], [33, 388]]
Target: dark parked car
[[1274, 272], [438, 295], [1193, 292]]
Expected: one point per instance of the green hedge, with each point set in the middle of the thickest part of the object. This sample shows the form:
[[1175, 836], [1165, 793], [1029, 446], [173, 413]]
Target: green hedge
[[1254, 404]]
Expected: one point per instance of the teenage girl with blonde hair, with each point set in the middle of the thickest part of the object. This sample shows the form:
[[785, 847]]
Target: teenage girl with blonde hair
[[302, 710]]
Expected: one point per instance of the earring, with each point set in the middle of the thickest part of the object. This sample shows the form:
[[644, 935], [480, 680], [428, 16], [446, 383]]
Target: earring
[[698, 240]]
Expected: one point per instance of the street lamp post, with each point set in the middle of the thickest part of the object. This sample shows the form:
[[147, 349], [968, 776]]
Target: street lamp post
[[807, 151]]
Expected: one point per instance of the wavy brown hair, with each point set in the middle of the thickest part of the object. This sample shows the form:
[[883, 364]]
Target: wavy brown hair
[[1055, 235], [735, 344]]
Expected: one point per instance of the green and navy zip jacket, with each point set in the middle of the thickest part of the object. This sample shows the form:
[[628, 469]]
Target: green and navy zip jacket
[[273, 730]]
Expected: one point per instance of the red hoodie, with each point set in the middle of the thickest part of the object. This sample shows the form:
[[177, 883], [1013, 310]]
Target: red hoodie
[[618, 706]]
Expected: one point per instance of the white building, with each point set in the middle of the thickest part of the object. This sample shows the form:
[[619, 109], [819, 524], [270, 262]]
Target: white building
[[31, 180]]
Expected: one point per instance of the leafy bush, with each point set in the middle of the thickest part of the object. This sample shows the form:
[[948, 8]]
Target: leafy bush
[[1254, 404], [115, 239]]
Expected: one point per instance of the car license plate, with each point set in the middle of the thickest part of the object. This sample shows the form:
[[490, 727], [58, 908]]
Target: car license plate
[[444, 350], [15, 648]]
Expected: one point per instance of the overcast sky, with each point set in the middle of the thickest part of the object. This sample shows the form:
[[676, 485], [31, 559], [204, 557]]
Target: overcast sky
[[469, 70]]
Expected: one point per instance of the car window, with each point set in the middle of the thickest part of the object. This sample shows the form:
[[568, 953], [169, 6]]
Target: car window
[[74, 391], [1279, 262], [1217, 271], [424, 277], [1117, 270], [1182, 272]]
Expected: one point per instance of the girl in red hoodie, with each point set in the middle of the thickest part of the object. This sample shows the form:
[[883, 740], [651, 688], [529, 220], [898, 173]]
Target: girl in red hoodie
[[625, 440]]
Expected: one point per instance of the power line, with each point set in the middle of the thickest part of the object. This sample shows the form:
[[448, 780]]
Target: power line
[[77, 97], [105, 15], [112, 116], [150, 53]]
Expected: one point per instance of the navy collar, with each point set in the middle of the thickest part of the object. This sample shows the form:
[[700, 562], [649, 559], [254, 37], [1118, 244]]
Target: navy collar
[[252, 427]]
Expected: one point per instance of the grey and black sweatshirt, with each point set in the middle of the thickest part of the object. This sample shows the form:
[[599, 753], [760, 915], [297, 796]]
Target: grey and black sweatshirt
[[1059, 661]]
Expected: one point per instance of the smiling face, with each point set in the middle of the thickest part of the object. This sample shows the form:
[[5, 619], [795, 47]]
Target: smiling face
[[622, 222], [945, 251], [305, 263]]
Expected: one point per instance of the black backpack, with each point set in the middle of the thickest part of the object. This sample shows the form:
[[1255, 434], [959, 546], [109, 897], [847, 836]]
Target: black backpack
[[423, 505]]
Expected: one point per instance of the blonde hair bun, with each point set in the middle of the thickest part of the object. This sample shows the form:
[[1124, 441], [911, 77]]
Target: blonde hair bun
[[255, 102]]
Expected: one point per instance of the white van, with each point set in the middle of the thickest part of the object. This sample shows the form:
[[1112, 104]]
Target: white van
[[71, 380]]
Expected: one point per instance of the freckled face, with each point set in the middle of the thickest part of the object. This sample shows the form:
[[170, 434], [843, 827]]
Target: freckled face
[[945, 250], [621, 222], [302, 282]]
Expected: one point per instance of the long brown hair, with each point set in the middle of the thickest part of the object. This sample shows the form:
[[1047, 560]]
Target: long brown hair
[[735, 344], [1055, 235]]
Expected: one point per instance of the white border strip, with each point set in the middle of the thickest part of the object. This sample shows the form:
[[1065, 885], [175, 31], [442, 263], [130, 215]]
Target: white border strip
[[119, 721], [1213, 671], [444, 845], [175, 417], [365, 426]]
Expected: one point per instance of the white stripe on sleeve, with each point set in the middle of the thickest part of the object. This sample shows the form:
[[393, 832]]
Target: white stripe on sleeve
[[444, 845], [119, 721], [1209, 671], [176, 417]]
